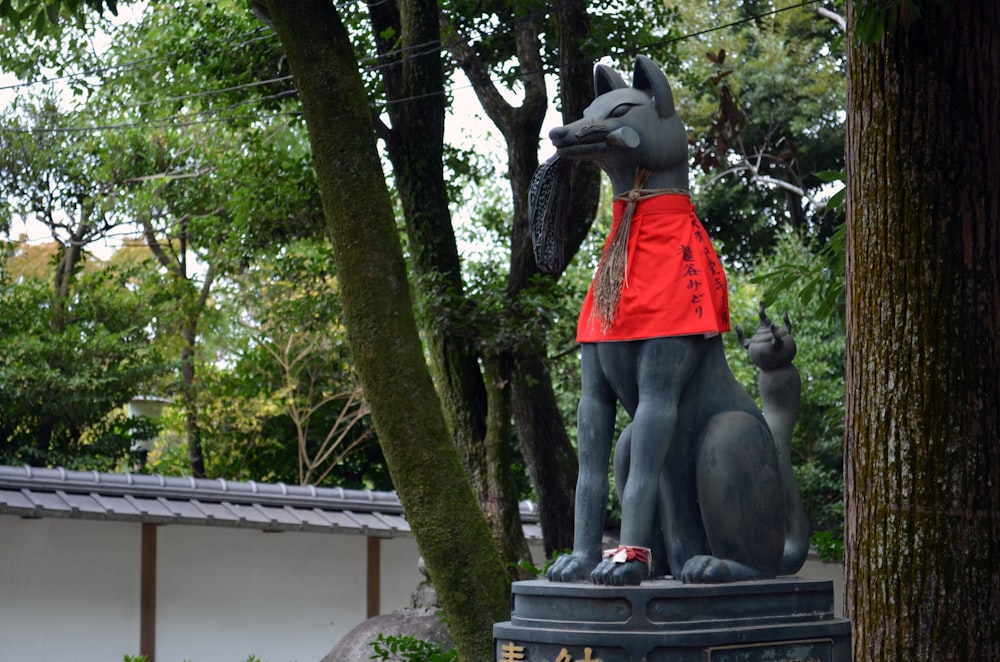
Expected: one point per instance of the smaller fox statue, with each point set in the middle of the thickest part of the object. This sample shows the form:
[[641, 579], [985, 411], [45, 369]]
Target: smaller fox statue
[[704, 476]]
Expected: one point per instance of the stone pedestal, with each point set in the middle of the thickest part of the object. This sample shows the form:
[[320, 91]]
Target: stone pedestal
[[778, 620]]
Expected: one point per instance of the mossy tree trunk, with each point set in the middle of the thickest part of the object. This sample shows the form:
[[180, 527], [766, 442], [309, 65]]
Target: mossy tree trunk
[[449, 527], [549, 455], [413, 76], [923, 357], [545, 444]]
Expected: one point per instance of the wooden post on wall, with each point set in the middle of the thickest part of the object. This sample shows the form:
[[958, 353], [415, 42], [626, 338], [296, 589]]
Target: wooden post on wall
[[147, 600], [374, 588]]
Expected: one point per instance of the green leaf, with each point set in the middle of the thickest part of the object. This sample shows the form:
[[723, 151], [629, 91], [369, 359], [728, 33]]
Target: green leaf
[[41, 21], [831, 175], [837, 199]]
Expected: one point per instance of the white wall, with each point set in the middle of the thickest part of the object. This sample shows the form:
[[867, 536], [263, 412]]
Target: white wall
[[69, 590], [225, 594], [400, 573]]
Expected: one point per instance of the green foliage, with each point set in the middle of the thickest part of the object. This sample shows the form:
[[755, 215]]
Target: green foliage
[[817, 443], [197, 142], [407, 648], [62, 387], [816, 276], [43, 16], [277, 391], [829, 545], [822, 491], [764, 103]]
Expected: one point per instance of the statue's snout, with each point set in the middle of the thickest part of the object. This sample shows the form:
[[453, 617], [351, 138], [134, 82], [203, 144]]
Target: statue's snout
[[559, 135]]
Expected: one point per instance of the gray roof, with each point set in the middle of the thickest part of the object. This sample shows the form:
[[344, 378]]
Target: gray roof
[[33, 492]]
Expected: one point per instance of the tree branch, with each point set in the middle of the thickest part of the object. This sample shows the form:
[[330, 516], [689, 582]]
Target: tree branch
[[833, 16]]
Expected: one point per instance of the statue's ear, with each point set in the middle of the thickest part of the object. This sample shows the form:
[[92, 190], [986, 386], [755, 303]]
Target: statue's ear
[[607, 79], [650, 78]]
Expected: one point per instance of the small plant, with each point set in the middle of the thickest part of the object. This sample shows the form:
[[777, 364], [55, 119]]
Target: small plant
[[829, 545], [407, 648], [529, 568]]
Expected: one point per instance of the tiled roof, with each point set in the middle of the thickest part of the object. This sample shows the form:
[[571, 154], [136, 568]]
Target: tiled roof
[[33, 492]]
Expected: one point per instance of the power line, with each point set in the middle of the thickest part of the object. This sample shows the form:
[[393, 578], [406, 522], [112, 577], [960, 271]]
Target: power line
[[137, 64], [742, 21], [639, 49], [174, 121], [430, 48], [224, 90]]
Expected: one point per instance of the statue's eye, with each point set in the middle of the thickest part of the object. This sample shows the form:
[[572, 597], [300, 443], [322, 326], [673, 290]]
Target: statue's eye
[[621, 110]]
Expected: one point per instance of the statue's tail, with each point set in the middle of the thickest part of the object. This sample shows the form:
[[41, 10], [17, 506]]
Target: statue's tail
[[772, 350]]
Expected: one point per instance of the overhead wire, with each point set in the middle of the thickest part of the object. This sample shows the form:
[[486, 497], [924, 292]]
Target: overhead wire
[[639, 49], [134, 65], [408, 52]]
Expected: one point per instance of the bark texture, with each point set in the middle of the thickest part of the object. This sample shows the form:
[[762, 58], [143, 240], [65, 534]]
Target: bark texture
[[545, 444], [410, 61], [441, 509], [923, 305]]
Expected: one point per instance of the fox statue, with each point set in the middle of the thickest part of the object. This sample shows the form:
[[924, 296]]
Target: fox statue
[[704, 476]]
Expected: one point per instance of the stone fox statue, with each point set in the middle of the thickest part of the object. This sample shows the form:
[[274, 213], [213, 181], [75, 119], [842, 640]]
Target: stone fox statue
[[704, 477]]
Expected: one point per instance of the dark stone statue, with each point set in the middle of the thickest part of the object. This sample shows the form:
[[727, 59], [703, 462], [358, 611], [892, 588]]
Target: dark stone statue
[[704, 476]]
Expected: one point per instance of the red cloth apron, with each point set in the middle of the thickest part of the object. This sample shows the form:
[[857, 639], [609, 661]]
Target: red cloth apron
[[674, 283]]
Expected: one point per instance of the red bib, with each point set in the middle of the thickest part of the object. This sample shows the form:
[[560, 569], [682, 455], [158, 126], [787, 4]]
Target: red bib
[[674, 284]]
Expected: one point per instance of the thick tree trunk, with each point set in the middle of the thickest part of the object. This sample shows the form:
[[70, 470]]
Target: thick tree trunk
[[540, 429], [545, 443], [414, 83], [923, 306], [450, 529]]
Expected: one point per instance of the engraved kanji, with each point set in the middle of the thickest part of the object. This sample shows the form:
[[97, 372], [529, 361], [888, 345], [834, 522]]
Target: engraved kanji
[[511, 652], [564, 656]]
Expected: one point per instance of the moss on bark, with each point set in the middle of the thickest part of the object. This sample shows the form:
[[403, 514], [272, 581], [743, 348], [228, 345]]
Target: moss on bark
[[450, 530], [923, 411]]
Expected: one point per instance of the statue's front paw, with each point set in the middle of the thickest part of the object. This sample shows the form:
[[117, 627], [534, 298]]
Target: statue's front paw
[[705, 570], [614, 573], [571, 568]]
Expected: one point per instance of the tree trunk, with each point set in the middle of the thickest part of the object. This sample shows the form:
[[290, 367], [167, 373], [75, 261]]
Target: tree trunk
[[72, 253], [442, 512], [414, 85], [191, 304], [545, 443], [540, 429], [192, 430], [923, 308]]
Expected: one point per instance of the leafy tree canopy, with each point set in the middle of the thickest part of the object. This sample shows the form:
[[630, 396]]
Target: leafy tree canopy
[[62, 388], [764, 101]]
